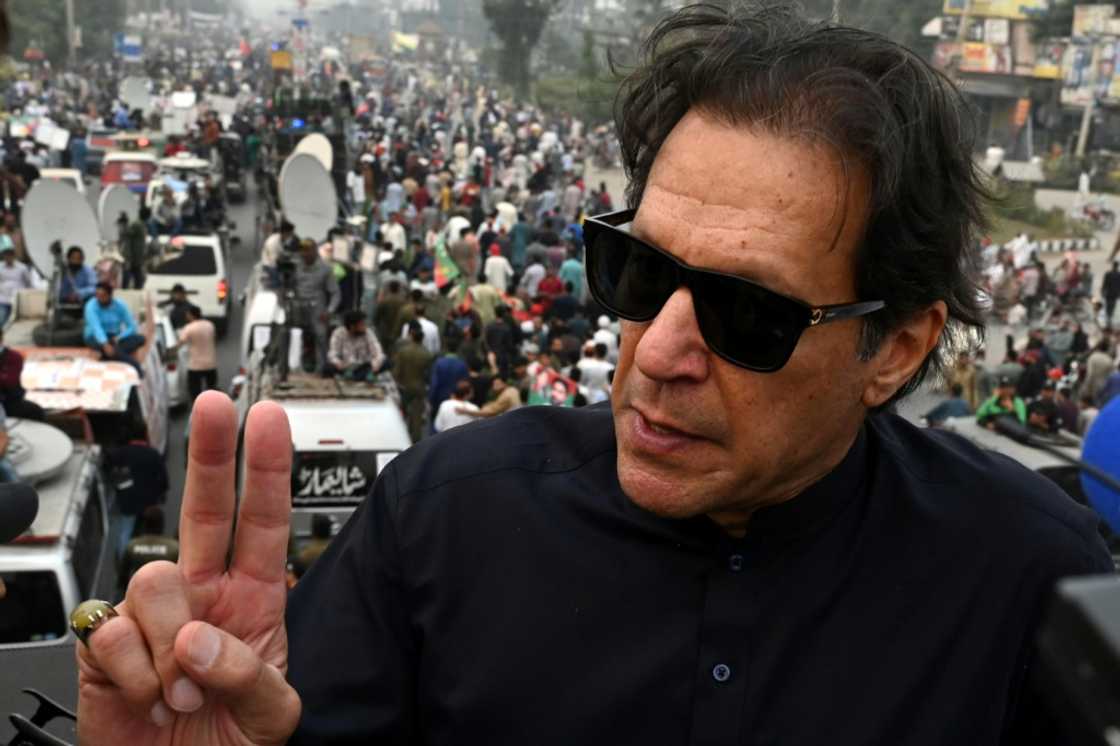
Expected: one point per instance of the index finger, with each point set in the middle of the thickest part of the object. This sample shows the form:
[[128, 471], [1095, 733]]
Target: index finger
[[206, 520], [264, 520]]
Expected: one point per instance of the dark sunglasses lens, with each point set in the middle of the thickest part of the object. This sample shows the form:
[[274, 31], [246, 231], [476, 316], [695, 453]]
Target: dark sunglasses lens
[[628, 277], [746, 323]]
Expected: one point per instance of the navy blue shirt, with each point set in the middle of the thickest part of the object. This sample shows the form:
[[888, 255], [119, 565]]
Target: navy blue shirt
[[498, 587]]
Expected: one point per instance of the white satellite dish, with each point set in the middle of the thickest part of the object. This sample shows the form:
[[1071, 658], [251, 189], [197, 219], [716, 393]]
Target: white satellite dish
[[307, 196], [319, 146], [116, 199], [54, 211], [134, 93]]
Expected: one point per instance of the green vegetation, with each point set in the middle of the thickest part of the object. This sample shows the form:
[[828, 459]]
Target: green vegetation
[[1014, 211], [43, 22]]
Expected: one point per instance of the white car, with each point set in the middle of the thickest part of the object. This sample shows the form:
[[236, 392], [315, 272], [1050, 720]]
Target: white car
[[180, 171], [198, 263], [70, 176], [174, 361]]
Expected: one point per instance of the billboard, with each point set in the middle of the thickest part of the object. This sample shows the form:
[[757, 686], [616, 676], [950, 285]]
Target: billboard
[[1088, 72], [1095, 20], [986, 58], [1018, 10]]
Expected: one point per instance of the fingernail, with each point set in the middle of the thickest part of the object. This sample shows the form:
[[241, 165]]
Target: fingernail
[[160, 715], [185, 696], [203, 647]]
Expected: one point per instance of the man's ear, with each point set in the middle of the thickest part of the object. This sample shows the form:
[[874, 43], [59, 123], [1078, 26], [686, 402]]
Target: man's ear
[[902, 353]]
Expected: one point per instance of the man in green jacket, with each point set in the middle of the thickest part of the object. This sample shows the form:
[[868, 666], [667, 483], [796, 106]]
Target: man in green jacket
[[411, 368], [1003, 402]]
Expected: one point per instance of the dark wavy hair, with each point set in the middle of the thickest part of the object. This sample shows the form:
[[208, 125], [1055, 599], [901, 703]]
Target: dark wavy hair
[[877, 104]]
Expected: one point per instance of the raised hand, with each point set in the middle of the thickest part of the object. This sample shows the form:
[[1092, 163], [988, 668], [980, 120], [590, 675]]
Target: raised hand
[[198, 653]]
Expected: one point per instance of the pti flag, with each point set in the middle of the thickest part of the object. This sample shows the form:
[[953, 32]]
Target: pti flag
[[446, 269]]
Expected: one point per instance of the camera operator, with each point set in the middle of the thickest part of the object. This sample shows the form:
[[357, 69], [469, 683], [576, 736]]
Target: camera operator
[[274, 246], [316, 297]]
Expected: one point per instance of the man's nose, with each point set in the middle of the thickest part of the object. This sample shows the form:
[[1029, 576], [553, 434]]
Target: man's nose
[[671, 347]]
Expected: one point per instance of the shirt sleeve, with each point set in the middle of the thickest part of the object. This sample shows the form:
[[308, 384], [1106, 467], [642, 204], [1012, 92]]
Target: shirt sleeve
[[94, 330], [352, 607], [86, 283], [375, 347], [129, 322], [334, 349]]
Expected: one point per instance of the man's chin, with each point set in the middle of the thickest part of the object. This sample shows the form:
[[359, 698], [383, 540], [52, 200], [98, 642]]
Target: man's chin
[[663, 494]]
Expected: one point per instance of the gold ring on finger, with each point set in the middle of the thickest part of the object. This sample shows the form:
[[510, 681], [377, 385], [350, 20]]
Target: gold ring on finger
[[88, 616]]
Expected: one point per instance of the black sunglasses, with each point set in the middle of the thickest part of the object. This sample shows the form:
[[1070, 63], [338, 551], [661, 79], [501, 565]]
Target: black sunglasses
[[741, 321]]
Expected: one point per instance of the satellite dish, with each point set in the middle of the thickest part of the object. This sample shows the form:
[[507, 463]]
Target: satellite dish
[[307, 196], [319, 146], [38, 450], [1100, 450], [54, 211], [134, 93], [116, 199]]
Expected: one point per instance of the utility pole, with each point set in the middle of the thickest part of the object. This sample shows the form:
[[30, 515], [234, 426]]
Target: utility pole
[[836, 11], [71, 49]]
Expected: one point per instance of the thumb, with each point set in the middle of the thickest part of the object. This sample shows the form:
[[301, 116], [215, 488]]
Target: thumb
[[265, 707]]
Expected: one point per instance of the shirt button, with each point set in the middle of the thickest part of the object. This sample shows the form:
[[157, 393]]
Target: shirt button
[[735, 562], [721, 673]]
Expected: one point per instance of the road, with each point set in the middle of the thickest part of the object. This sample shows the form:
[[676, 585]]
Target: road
[[243, 255]]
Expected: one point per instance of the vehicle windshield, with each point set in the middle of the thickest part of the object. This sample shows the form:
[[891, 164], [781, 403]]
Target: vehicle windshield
[[194, 259], [127, 171], [324, 478], [31, 607]]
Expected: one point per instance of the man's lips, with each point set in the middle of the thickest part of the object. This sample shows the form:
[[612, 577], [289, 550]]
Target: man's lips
[[659, 436]]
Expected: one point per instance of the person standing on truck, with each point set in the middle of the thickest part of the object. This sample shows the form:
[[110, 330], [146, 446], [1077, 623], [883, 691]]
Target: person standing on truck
[[13, 397], [354, 353], [410, 369], [271, 250], [13, 277], [199, 336], [134, 247], [150, 546], [317, 296], [110, 328]]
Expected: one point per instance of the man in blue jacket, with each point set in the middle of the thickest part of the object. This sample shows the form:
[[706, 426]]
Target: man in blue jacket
[[110, 328]]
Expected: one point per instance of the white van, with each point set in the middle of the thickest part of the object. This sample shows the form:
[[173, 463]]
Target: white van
[[63, 559], [198, 263], [343, 435]]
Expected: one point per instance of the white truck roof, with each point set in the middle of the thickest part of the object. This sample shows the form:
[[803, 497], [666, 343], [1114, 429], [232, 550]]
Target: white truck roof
[[346, 425]]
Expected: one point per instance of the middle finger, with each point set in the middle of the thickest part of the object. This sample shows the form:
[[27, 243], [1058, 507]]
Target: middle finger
[[157, 599]]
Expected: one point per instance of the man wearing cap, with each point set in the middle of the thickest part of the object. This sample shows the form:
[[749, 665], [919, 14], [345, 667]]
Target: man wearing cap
[[14, 276], [1004, 402], [497, 270]]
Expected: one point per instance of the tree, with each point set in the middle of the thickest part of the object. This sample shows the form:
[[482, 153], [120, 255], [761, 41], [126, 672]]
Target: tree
[[41, 23], [518, 24]]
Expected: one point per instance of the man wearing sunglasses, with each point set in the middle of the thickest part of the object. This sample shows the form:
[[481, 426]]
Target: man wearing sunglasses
[[747, 547]]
